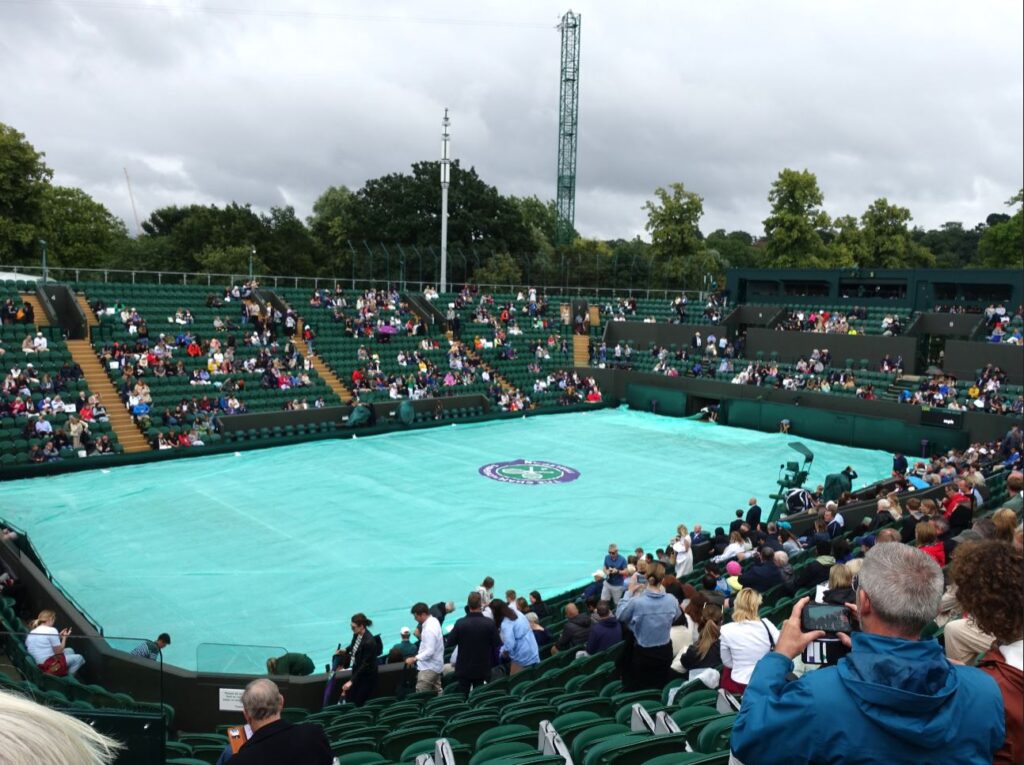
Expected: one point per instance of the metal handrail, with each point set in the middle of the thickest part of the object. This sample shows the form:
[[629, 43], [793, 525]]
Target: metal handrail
[[125, 276]]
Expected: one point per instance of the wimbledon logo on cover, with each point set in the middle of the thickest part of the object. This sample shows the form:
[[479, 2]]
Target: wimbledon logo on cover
[[529, 472]]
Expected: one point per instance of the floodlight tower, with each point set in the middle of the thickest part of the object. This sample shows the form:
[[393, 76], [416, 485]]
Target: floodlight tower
[[568, 107], [445, 180]]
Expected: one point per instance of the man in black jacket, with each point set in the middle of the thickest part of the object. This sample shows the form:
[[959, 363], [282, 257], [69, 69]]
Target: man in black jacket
[[275, 740], [476, 637], [764, 574], [575, 632]]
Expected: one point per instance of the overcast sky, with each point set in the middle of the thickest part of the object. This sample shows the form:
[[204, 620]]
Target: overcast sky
[[271, 101]]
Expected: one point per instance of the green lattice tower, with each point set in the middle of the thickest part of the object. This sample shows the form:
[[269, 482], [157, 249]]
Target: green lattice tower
[[568, 108]]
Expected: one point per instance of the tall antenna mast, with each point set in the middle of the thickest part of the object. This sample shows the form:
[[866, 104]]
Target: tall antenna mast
[[568, 108], [445, 180], [131, 196]]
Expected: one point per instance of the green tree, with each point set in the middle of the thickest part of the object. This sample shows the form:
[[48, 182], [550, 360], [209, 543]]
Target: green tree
[[233, 259], [736, 249], [406, 208], [501, 270], [680, 255], [793, 228], [953, 245], [847, 247], [80, 232], [24, 178], [329, 226], [887, 240], [1002, 245]]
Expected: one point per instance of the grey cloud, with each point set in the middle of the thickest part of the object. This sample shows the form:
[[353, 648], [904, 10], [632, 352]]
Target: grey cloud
[[919, 102]]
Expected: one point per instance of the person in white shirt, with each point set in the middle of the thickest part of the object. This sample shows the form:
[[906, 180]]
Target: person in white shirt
[[745, 640], [44, 642], [40, 344], [429, 658]]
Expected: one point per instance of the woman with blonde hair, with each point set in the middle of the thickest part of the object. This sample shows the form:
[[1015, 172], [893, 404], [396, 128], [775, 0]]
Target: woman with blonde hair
[[732, 550], [1005, 521], [49, 648], [745, 641], [840, 586], [684, 555]]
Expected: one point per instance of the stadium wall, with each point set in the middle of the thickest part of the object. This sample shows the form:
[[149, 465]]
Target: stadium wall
[[963, 358], [790, 346]]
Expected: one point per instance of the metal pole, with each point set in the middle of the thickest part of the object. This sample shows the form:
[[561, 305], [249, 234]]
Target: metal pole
[[42, 243], [252, 254], [349, 241], [445, 180]]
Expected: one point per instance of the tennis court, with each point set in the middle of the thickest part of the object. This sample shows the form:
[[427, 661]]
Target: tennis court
[[277, 548]]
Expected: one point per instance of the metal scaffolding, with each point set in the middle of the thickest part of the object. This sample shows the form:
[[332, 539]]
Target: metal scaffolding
[[568, 108]]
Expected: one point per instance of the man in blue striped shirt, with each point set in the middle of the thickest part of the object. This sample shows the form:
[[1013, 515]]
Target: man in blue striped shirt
[[150, 649]]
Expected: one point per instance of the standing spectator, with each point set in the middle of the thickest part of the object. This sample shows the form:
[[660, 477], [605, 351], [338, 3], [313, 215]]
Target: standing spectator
[[363, 650], [648, 612], [518, 642], [486, 590], [988, 574], [476, 638], [150, 649], [440, 610], [683, 547], [429, 658], [753, 513], [893, 699], [745, 640], [614, 568]]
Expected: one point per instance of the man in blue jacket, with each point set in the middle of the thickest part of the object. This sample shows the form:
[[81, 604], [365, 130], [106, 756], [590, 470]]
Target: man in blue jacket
[[893, 699]]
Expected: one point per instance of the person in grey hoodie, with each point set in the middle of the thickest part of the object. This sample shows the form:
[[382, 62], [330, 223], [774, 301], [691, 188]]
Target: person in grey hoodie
[[575, 631]]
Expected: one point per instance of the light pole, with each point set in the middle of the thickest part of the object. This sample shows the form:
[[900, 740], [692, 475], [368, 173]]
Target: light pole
[[252, 254], [445, 180], [42, 243]]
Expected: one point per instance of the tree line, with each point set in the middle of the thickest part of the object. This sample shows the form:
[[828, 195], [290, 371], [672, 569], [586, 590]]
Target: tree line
[[389, 229]]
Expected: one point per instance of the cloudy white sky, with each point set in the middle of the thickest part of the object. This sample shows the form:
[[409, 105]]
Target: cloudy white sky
[[271, 101]]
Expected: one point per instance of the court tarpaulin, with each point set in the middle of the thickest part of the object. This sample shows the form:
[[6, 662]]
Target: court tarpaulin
[[279, 547]]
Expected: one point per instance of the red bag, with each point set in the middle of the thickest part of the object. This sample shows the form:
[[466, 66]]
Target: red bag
[[56, 665]]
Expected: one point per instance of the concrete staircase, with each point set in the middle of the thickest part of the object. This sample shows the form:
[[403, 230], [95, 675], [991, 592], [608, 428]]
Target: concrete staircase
[[128, 434], [90, 317], [332, 380], [581, 350], [495, 375]]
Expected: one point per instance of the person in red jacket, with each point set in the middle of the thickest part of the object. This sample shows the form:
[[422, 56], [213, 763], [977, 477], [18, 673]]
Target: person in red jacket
[[928, 540], [988, 574]]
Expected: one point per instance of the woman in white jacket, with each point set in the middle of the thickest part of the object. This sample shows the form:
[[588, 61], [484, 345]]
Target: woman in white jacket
[[734, 550], [745, 641]]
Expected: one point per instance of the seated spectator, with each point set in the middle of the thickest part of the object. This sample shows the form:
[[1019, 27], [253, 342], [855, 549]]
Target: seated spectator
[[274, 739], [706, 652], [928, 541], [37, 734], [744, 641], [48, 647], [764, 574], [840, 586], [817, 570], [540, 633], [575, 631], [605, 631]]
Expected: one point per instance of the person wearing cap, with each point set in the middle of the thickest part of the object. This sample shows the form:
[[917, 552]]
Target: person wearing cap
[[405, 645], [593, 590]]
